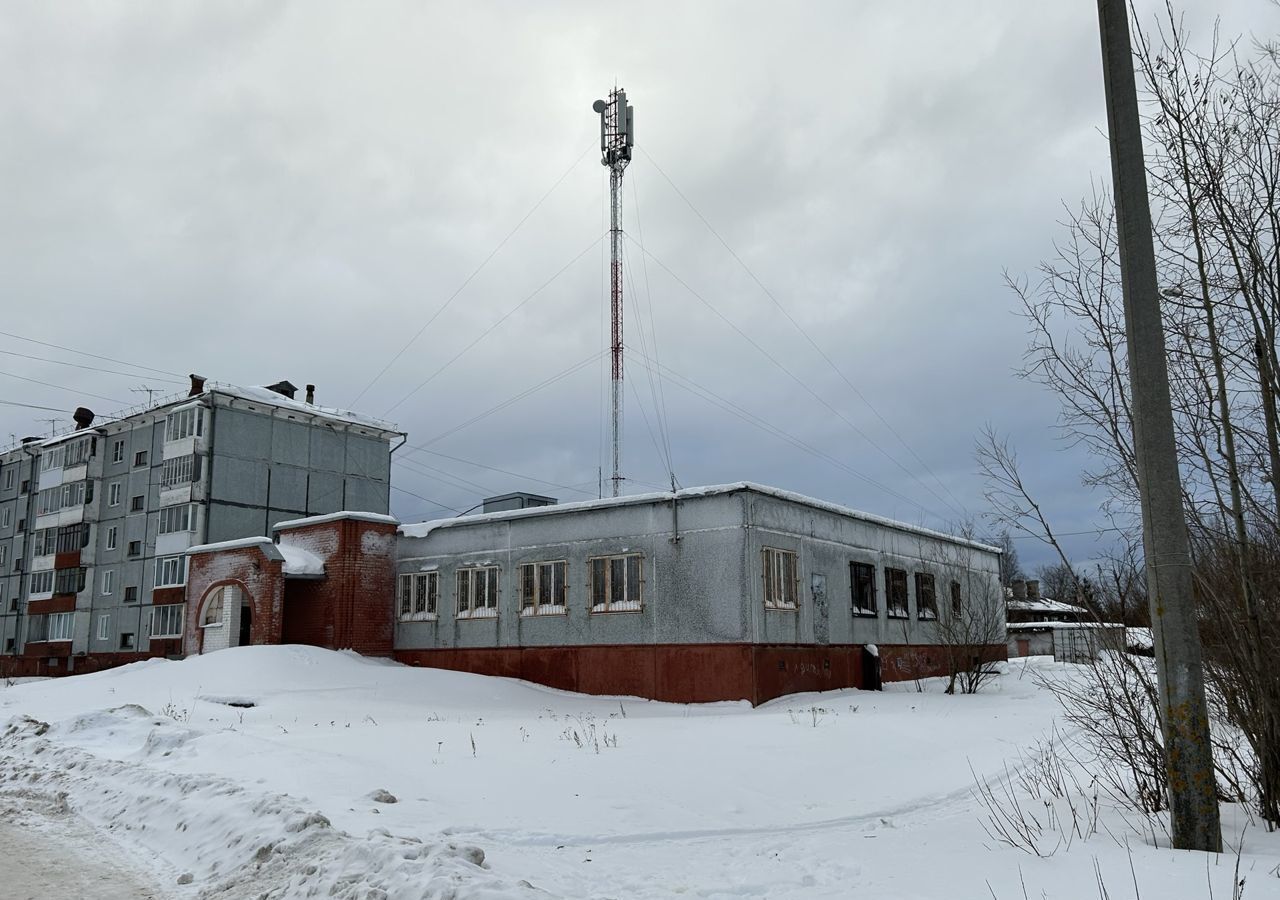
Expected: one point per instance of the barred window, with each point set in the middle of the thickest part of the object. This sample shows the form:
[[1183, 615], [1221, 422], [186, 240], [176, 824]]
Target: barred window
[[477, 592], [862, 580], [617, 583], [543, 588], [895, 589], [781, 576], [166, 621], [419, 595], [926, 596]]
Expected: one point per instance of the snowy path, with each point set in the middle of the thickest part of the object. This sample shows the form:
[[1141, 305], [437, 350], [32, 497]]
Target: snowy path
[[54, 854]]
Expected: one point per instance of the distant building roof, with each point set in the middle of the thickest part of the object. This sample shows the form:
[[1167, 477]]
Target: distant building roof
[[1046, 605]]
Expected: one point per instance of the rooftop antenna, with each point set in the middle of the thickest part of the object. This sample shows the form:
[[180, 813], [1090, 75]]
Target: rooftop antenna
[[53, 426], [149, 391], [617, 137]]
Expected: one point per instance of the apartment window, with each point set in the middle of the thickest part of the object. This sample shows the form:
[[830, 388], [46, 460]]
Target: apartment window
[[181, 470], [895, 589], [44, 541], [616, 583], [51, 459], [140, 459], [41, 582], [171, 571], [166, 621], [780, 579], [51, 627], [419, 595], [135, 549], [138, 504], [69, 581], [117, 451], [26, 486], [183, 423], [8, 645], [22, 525], [72, 538], [926, 596], [111, 537], [4, 555], [177, 518], [477, 592], [113, 494], [862, 579], [63, 496], [543, 588], [131, 594], [957, 603], [78, 452], [8, 479], [6, 517], [108, 582], [126, 640], [104, 626]]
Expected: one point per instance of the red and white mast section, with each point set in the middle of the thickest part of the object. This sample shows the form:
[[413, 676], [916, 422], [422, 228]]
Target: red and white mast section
[[617, 137]]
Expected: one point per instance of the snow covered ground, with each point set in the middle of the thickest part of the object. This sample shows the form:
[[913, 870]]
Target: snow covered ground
[[264, 772]]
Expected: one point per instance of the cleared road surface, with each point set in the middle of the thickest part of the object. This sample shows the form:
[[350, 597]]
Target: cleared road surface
[[63, 858]]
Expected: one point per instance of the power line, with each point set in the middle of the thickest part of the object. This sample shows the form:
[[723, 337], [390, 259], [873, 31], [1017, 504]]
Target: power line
[[435, 503], [60, 362], [812, 343], [688, 384], [33, 406], [547, 382], [121, 362], [478, 269], [511, 312], [470, 462], [63, 388], [779, 365]]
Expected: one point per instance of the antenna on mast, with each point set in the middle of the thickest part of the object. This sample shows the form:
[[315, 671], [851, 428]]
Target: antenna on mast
[[149, 391], [617, 138]]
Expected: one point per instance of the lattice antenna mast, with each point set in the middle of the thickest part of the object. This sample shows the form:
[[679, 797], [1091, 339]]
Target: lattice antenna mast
[[617, 137]]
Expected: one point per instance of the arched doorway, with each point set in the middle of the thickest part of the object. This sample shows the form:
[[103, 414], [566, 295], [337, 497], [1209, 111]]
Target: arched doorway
[[226, 618]]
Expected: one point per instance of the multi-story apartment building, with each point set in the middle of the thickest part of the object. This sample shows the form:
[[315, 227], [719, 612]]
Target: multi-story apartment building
[[94, 524]]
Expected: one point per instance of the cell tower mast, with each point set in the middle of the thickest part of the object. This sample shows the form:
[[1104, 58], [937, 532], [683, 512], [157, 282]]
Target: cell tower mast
[[617, 137]]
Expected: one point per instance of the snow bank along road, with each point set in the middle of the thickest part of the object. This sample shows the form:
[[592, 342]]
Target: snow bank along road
[[281, 772]]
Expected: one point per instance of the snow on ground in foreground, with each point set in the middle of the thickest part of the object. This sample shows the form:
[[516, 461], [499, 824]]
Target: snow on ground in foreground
[[507, 789]]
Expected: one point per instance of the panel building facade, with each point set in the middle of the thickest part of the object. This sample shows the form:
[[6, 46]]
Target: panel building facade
[[95, 524]]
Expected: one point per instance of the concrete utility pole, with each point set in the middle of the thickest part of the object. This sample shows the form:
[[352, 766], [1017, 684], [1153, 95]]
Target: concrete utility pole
[[1193, 799]]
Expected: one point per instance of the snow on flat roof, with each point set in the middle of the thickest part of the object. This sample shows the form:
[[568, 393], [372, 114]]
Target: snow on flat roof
[[267, 546], [298, 561], [336, 516], [422, 529], [259, 394], [1045, 605]]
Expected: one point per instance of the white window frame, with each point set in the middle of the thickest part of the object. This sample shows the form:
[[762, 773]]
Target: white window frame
[[171, 567], [117, 451], [418, 596], [171, 517], [128, 640], [6, 517], [41, 582], [108, 582], [4, 557], [9, 478], [600, 583], [183, 423], [538, 594], [180, 470], [111, 537], [170, 616], [780, 591], [113, 494], [476, 590], [104, 626]]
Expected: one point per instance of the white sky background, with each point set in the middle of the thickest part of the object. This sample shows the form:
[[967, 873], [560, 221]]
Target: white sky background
[[266, 191]]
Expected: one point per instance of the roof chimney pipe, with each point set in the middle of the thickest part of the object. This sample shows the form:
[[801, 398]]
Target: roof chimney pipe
[[83, 418], [311, 393], [197, 385], [1033, 590], [1019, 589]]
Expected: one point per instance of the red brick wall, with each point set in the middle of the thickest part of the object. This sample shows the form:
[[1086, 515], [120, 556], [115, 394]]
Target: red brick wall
[[353, 606], [63, 603], [260, 578]]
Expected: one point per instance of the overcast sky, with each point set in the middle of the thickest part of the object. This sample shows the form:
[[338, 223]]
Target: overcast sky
[[292, 190]]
